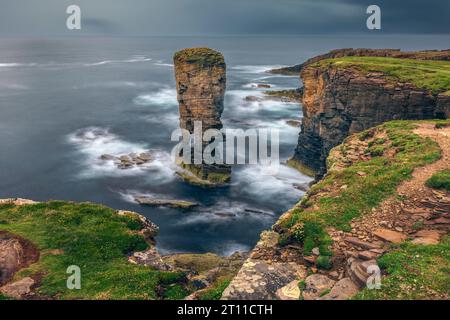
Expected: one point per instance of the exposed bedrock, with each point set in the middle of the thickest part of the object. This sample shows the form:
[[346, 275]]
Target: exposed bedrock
[[200, 75], [340, 101]]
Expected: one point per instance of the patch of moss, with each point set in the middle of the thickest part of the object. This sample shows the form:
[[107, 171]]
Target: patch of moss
[[200, 56], [93, 237], [440, 180]]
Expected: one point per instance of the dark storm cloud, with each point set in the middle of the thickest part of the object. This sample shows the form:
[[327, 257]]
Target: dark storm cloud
[[185, 17]]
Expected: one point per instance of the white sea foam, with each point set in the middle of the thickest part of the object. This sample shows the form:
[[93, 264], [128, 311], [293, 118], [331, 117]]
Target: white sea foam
[[93, 142], [57, 65], [257, 180], [170, 119], [162, 97], [236, 99], [256, 69], [163, 64], [224, 212]]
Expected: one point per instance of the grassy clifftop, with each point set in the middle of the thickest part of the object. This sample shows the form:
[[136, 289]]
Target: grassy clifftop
[[427, 74], [364, 174], [96, 239], [201, 56]]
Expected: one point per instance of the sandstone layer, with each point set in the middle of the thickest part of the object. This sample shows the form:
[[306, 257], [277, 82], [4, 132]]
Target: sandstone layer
[[339, 101], [200, 75]]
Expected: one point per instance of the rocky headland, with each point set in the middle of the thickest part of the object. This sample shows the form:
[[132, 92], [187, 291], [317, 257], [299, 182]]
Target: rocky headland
[[200, 75], [346, 95], [364, 52], [375, 209], [115, 250], [380, 201]]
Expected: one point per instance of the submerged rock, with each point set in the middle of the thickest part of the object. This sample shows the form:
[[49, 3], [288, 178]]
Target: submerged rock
[[165, 203], [128, 161]]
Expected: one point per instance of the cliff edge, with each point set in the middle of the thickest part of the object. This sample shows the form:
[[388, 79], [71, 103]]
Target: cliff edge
[[346, 95]]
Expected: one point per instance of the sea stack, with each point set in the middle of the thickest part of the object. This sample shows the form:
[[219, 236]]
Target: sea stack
[[200, 75]]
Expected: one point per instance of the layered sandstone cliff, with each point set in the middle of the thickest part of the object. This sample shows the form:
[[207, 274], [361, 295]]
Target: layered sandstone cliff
[[200, 75], [339, 100]]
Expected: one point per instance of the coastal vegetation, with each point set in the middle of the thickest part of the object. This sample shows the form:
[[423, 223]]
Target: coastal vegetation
[[415, 272], [426, 74], [96, 239], [348, 192], [440, 180]]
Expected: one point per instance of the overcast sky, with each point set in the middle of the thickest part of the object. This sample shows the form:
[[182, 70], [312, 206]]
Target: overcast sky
[[221, 17]]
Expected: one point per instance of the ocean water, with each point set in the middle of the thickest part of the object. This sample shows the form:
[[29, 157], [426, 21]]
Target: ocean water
[[66, 101]]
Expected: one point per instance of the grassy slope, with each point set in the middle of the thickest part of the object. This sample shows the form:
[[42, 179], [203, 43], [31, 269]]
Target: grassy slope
[[96, 239], [428, 74], [327, 204], [415, 272]]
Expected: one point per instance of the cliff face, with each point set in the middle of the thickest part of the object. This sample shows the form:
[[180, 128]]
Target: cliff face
[[200, 75], [340, 101]]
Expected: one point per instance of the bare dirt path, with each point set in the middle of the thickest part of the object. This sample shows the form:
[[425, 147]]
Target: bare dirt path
[[416, 212]]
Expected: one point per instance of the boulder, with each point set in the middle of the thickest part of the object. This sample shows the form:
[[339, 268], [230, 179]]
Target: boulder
[[18, 289], [390, 236], [316, 286], [291, 291], [342, 290], [165, 203]]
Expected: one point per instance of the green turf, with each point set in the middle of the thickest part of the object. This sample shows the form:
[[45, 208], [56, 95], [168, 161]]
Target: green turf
[[428, 74], [96, 239], [414, 272]]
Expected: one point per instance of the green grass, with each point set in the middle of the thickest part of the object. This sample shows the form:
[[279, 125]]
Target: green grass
[[414, 272], [440, 180], [200, 56], [427, 74], [96, 239], [327, 205], [215, 292]]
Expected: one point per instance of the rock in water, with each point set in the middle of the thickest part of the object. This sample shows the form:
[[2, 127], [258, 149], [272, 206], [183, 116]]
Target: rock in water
[[200, 75]]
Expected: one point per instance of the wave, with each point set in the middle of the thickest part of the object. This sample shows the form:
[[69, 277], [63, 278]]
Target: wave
[[256, 68], [162, 97], [115, 84], [256, 180], [93, 142], [247, 101], [16, 64], [57, 65], [224, 212], [131, 60], [162, 64]]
